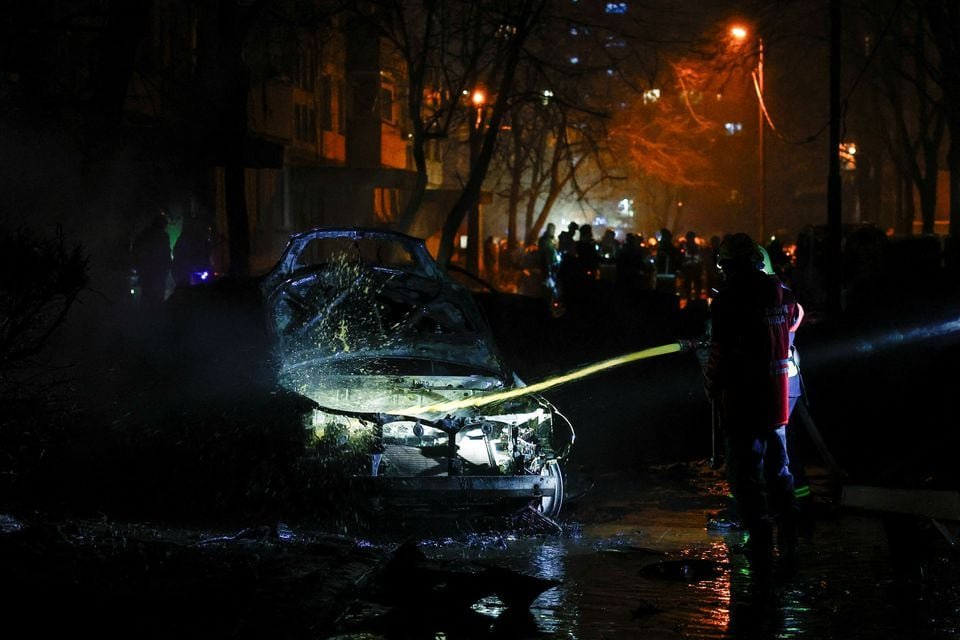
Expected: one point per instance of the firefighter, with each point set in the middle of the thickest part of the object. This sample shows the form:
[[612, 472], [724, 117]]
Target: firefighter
[[747, 376]]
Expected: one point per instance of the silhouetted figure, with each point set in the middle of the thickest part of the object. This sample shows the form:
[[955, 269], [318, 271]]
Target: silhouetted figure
[[490, 254], [779, 259], [151, 259], [566, 242], [191, 253], [575, 274], [609, 246], [579, 284], [633, 265], [588, 252], [714, 275], [667, 262], [692, 267], [549, 259]]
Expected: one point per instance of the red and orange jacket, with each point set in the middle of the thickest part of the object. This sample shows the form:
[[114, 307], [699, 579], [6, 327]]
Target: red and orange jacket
[[748, 366]]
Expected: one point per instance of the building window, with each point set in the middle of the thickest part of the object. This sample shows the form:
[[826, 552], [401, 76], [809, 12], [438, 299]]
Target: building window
[[386, 104], [341, 107], [385, 204], [326, 103], [305, 123], [306, 67]]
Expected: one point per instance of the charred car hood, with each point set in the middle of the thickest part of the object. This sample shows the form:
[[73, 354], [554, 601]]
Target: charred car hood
[[381, 393]]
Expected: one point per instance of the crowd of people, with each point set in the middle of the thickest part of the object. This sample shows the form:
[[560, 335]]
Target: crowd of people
[[571, 260]]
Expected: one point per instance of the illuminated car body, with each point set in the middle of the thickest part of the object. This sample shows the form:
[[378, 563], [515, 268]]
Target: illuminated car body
[[370, 328]]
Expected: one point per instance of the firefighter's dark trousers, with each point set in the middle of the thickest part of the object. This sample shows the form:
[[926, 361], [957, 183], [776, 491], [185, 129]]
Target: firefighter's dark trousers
[[761, 482]]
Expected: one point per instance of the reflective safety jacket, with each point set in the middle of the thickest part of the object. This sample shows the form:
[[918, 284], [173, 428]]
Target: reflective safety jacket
[[747, 370]]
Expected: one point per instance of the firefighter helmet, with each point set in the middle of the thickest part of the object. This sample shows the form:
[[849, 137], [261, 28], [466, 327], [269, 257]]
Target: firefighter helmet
[[739, 248]]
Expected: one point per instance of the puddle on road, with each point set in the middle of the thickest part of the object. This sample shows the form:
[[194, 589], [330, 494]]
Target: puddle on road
[[658, 573]]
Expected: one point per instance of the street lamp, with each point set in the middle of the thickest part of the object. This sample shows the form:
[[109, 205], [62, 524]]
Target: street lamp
[[478, 98], [740, 34]]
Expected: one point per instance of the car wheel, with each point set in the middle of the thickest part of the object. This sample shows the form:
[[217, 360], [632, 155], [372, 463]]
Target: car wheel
[[550, 506]]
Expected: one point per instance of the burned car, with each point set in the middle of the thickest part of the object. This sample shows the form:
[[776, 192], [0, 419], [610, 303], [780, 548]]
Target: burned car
[[394, 353]]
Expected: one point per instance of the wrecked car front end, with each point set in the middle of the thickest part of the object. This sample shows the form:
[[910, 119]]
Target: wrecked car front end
[[369, 328]]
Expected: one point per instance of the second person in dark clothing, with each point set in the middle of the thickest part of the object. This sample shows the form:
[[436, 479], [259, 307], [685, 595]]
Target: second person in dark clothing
[[151, 258]]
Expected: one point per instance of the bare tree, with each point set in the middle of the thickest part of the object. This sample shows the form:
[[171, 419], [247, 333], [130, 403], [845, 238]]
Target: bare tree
[[447, 49], [515, 50], [513, 29], [666, 141], [912, 125], [943, 18]]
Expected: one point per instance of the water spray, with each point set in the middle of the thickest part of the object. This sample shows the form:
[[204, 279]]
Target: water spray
[[583, 372], [909, 336], [886, 341]]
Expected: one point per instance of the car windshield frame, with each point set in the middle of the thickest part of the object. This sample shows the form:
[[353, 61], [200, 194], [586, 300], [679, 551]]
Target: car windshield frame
[[293, 259], [473, 346]]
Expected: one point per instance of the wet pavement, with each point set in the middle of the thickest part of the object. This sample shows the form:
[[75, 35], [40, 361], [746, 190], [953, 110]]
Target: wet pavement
[[637, 561]]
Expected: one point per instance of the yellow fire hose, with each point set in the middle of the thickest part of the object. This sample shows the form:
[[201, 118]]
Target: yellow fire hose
[[485, 399]]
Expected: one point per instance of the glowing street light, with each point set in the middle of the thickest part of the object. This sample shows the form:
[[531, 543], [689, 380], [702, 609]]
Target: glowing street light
[[478, 98], [740, 33]]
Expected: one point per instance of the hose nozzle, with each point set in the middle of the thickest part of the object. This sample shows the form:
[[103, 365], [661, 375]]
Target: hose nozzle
[[693, 344]]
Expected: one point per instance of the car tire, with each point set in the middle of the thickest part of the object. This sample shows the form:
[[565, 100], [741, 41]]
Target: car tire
[[551, 507]]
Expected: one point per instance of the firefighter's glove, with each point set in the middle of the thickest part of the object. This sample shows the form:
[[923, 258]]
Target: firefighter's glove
[[700, 348], [703, 355]]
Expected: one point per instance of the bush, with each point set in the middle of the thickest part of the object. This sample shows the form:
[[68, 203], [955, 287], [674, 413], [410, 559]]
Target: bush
[[40, 279]]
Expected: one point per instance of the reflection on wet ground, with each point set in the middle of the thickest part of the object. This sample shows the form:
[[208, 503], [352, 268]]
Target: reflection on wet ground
[[636, 560]]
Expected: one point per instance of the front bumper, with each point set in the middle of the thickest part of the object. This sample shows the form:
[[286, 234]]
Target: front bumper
[[453, 493]]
